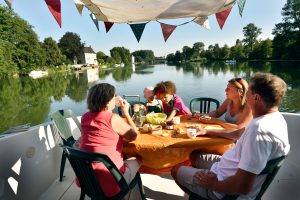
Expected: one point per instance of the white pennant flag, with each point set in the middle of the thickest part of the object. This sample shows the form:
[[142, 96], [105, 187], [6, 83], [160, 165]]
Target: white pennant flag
[[202, 21], [9, 2], [79, 5]]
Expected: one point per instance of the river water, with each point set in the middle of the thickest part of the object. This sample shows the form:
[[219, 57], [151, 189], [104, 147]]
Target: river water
[[25, 100]]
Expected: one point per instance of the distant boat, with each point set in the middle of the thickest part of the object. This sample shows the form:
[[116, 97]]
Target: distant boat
[[38, 74], [231, 61]]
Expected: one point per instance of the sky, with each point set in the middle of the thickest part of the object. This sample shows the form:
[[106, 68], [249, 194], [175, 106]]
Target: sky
[[263, 13]]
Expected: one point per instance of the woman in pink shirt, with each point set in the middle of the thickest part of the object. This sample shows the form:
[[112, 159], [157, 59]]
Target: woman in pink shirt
[[104, 132]]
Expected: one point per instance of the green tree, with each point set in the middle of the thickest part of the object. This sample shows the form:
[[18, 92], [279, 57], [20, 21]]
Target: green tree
[[286, 42], [146, 56], [121, 55], [170, 57], [111, 61], [209, 52], [71, 46], [7, 65], [251, 32], [177, 56], [291, 19], [198, 48], [54, 56], [216, 52], [187, 53], [262, 50], [101, 57], [28, 53], [225, 52], [239, 50]]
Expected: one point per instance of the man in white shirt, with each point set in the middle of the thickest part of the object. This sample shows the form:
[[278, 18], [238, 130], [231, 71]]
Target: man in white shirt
[[265, 138]]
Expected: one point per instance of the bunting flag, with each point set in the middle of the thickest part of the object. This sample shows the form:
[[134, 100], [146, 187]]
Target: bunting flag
[[9, 3], [138, 30], [222, 16], [54, 7], [202, 21], [108, 25], [167, 30], [79, 5], [241, 5], [95, 20]]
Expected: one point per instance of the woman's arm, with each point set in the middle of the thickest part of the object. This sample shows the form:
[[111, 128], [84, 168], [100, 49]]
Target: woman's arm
[[232, 131], [127, 130], [242, 121], [220, 111]]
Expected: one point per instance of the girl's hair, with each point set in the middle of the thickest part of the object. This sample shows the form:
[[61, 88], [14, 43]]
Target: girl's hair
[[165, 87], [99, 95], [242, 87]]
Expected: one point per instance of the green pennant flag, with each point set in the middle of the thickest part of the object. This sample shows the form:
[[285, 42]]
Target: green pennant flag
[[138, 29], [95, 20], [241, 4]]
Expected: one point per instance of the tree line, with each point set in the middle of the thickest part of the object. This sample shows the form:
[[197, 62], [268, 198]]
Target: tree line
[[284, 46], [21, 51]]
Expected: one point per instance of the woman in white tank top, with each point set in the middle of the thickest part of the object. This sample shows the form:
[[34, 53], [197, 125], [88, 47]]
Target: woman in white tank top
[[237, 113]]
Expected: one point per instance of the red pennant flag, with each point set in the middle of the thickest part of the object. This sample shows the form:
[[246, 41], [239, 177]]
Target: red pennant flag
[[167, 30], [108, 25], [54, 7], [222, 16]]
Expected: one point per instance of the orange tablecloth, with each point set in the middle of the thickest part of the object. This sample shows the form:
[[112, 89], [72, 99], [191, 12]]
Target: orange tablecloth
[[160, 153]]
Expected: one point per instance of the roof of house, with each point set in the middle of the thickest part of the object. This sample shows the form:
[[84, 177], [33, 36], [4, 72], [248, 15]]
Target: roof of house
[[88, 50]]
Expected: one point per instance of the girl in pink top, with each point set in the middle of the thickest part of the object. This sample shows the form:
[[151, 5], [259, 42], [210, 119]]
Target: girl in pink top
[[104, 132], [172, 104]]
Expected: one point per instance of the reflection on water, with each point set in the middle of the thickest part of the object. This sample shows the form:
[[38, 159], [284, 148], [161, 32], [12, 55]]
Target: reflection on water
[[25, 100]]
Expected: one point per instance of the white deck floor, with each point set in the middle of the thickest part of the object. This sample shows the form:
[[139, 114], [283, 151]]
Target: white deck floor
[[285, 186], [156, 187]]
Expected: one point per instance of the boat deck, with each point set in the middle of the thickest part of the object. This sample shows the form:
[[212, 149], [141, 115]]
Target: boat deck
[[161, 187], [156, 187], [286, 184], [37, 159]]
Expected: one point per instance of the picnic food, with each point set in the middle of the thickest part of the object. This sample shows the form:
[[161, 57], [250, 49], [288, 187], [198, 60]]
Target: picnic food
[[156, 118]]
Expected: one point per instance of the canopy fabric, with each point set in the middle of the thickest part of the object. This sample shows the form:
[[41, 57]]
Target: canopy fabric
[[128, 11]]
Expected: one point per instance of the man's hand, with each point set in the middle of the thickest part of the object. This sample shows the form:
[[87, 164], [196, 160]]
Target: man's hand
[[201, 131], [208, 120], [206, 179]]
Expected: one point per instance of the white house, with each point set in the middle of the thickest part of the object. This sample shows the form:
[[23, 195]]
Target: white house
[[88, 57]]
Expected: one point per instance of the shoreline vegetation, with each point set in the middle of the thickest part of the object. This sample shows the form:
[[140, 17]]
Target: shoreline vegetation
[[21, 51]]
